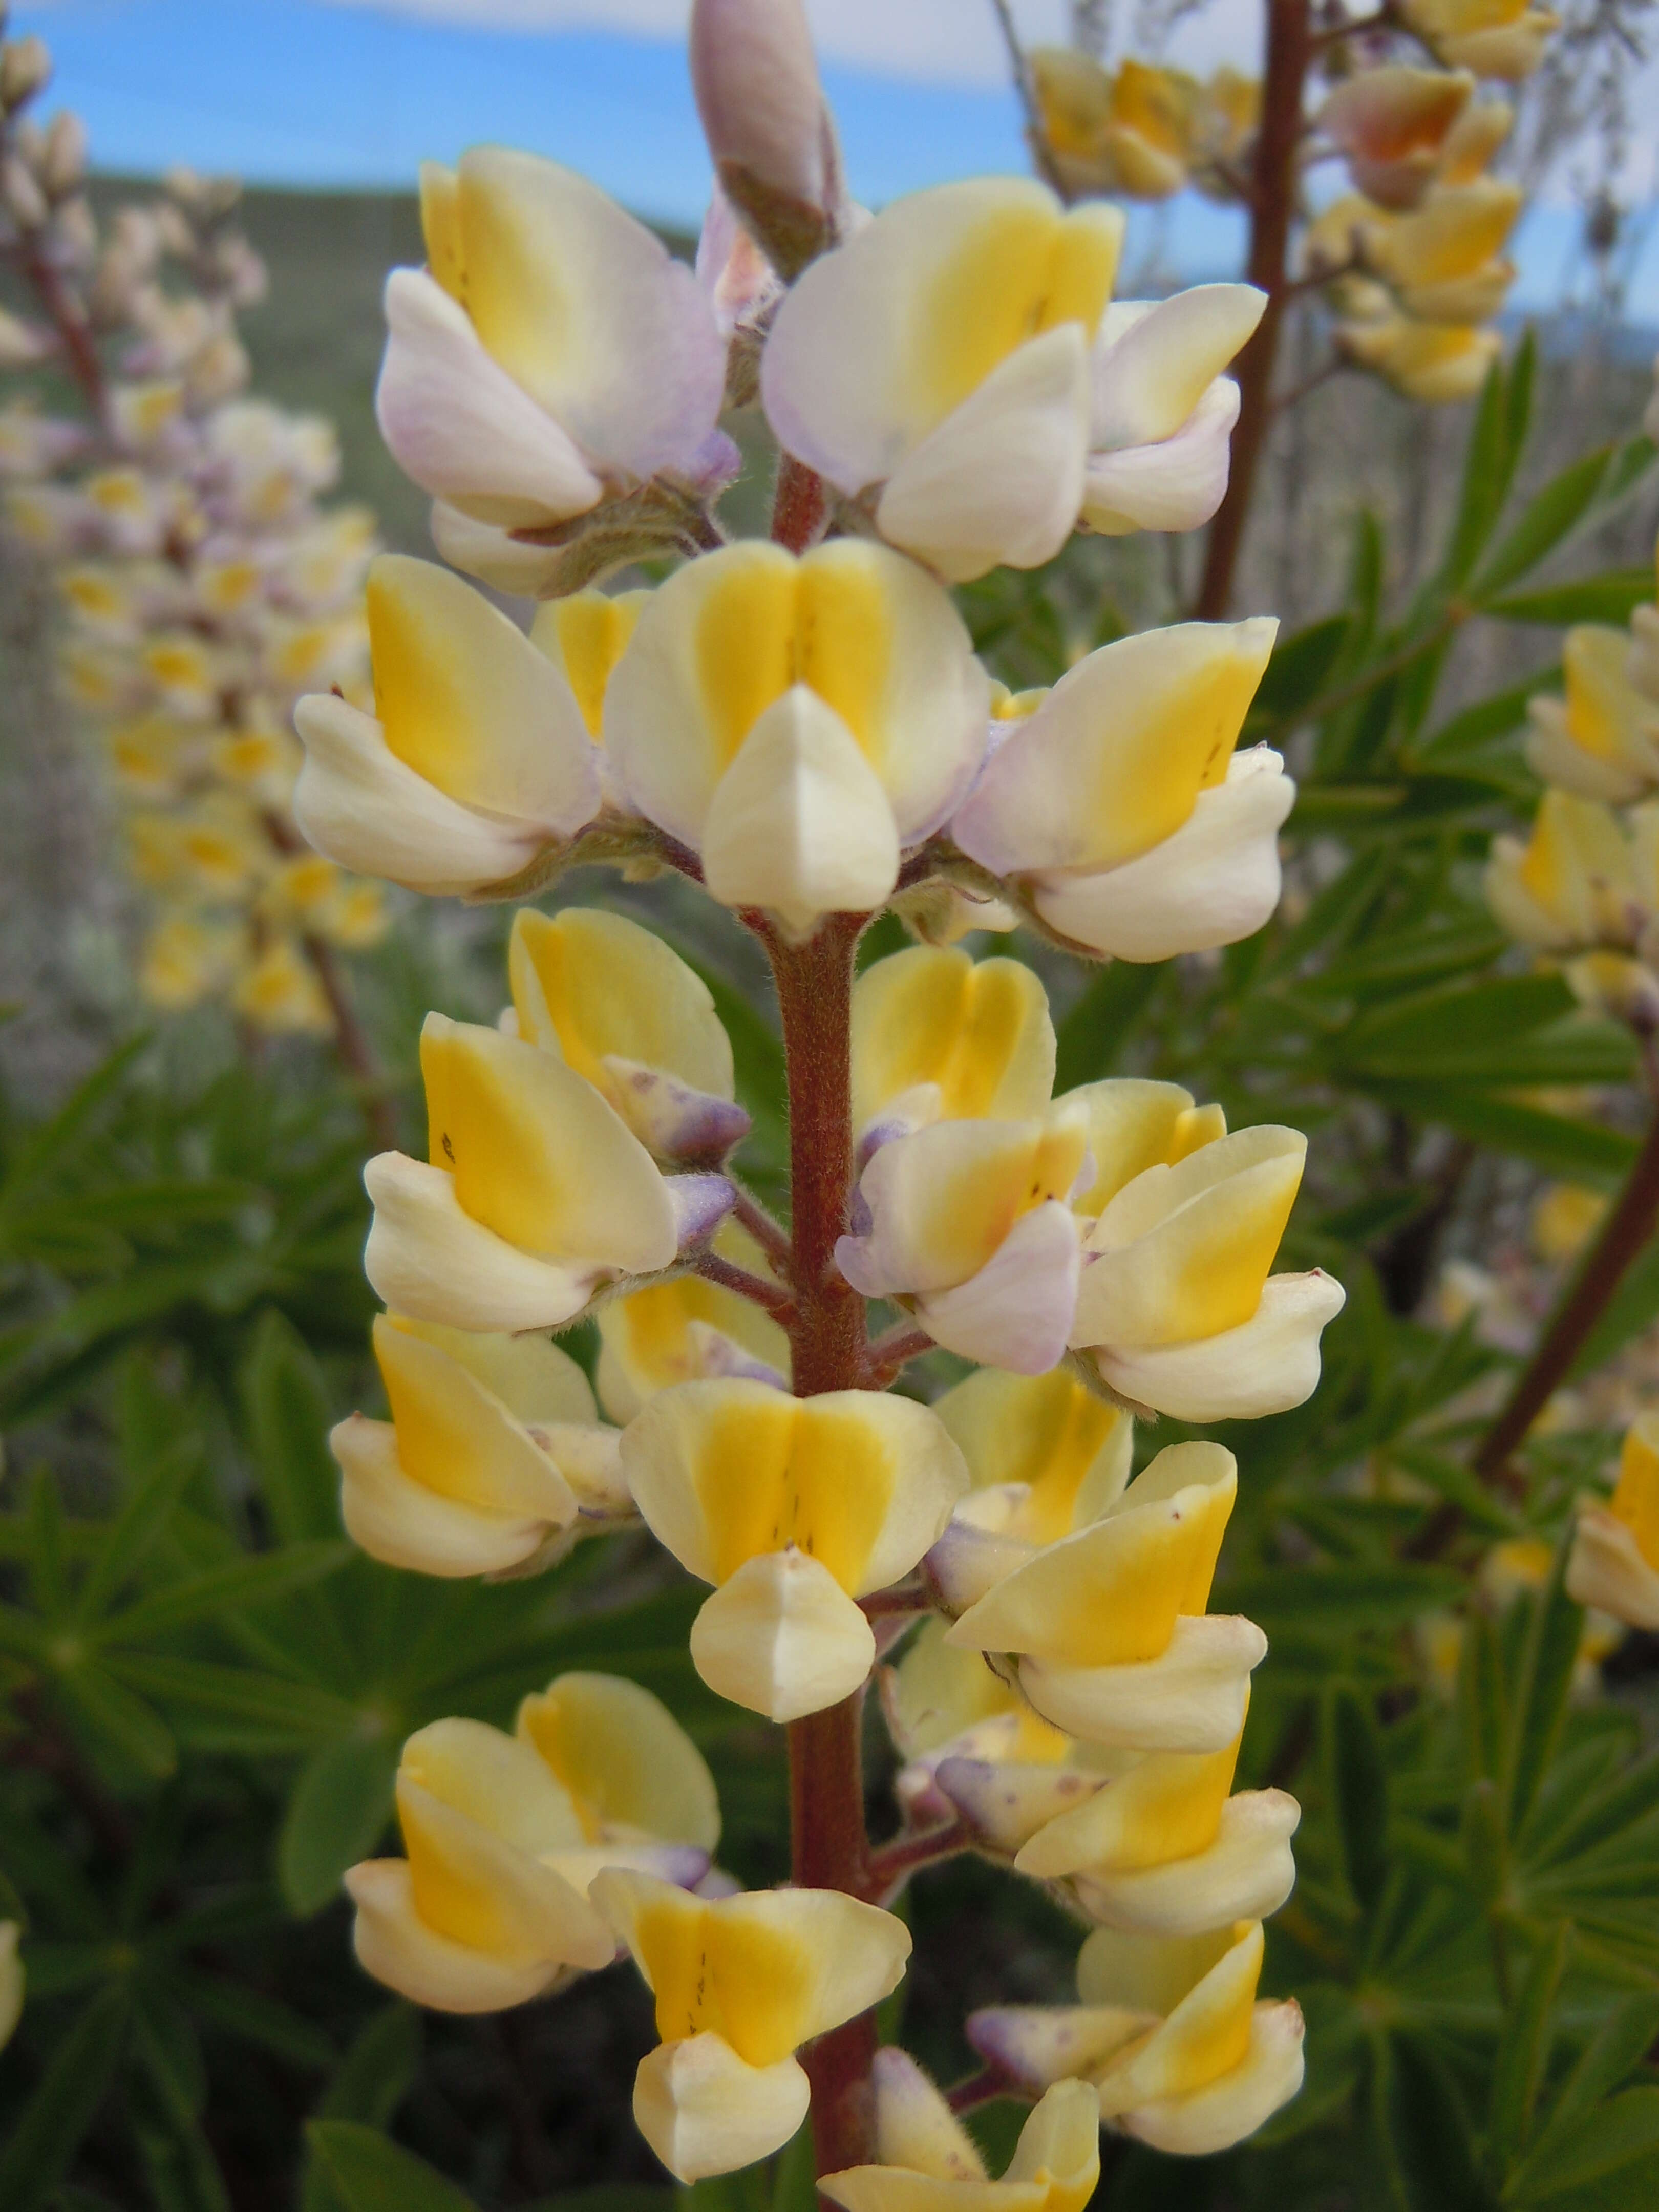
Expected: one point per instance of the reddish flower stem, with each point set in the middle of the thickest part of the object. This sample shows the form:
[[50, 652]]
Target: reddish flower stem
[[798, 508], [1272, 206], [771, 1235], [886, 1870], [829, 1847], [756, 1288]]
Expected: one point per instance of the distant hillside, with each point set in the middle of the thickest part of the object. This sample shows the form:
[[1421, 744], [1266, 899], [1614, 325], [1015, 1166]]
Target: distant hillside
[[316, 338]]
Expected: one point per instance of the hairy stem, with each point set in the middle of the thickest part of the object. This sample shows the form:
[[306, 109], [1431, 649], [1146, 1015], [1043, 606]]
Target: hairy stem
[[352, 1047], [756, 1288], [887, 1868], [830, 1849], [771, 1235], [1272, 205]]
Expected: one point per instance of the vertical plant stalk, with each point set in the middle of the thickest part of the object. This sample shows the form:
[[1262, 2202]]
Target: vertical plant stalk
[[1625, 1232], [830, 1849], [1272, 207]]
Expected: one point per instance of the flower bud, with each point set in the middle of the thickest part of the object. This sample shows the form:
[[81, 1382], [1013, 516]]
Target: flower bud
[[23, 199], [928, 2158], [25, 65], [763, 114], [64, 163]]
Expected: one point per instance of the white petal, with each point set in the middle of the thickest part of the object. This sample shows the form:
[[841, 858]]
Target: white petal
[[1016, 1311], [1553, 757], [833, 378], [1227, 2109], [426, 1258], [1606, 1569], [492, 555], [800, 823], [1113, 761], [1215, 881], [1266, 1366], [1191, 1698], [459, 426], [1245, 1875], [362, 807], [782, 1637], [1005, 1803], [400, 1521], [1000, 480], [704, 2112], [394, 1944], [1152, 369], [1175, 484], [592, 314]]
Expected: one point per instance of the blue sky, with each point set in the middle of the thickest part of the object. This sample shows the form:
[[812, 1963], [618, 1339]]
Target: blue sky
[[357, 92]]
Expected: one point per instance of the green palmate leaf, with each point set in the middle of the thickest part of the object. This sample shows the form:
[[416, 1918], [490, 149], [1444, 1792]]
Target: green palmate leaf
[[1523, 2054], [45, 1149], [288, 1419], [50, 2129], [374, 2174], [253, 2017], [1092, 1035], [1459, 1017], [1606, 2161], [1488, 466], [1482, 1702], [134, 1532], [1357, 1779], [128, 1729], [1299, 670], [369, 2084], [273, 1708], [1612, 2055], [1481, 724], [1422, 2133], [337, 1812], [1612, 597], [1455, 1482], [1341, 1599], [166, 2100], [1552, 513], [238, 1586], [1558, 1144], [1545, 1683]]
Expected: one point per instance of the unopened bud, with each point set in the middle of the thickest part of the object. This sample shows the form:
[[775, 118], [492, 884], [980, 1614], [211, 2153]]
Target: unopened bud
[[768, 128], [64, 159], [25, 65], [23, 199]]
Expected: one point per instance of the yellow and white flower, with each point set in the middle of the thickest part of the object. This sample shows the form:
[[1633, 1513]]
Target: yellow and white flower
[[955, 367], [1121, 806], [552, 352], [940, 1037], [1614, 1562], [793, 1509], [928, 2162], [1438, 363], [1106, 1629], [494, 1458], [504, 1836], [686, 1329], [1501, 39], [1392, 122], [797, 723], [1574, 882], [475, 759], [624, 1011], [1176, 1305], [740, 1983], [971, 1224], [1601, 739], [1169, 2033], [535, 1193]]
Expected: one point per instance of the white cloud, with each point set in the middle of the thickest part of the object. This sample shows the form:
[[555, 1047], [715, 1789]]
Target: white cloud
[[944, 41]]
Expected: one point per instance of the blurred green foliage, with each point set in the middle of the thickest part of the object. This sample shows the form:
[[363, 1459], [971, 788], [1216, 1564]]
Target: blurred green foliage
[[205, 1686]]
